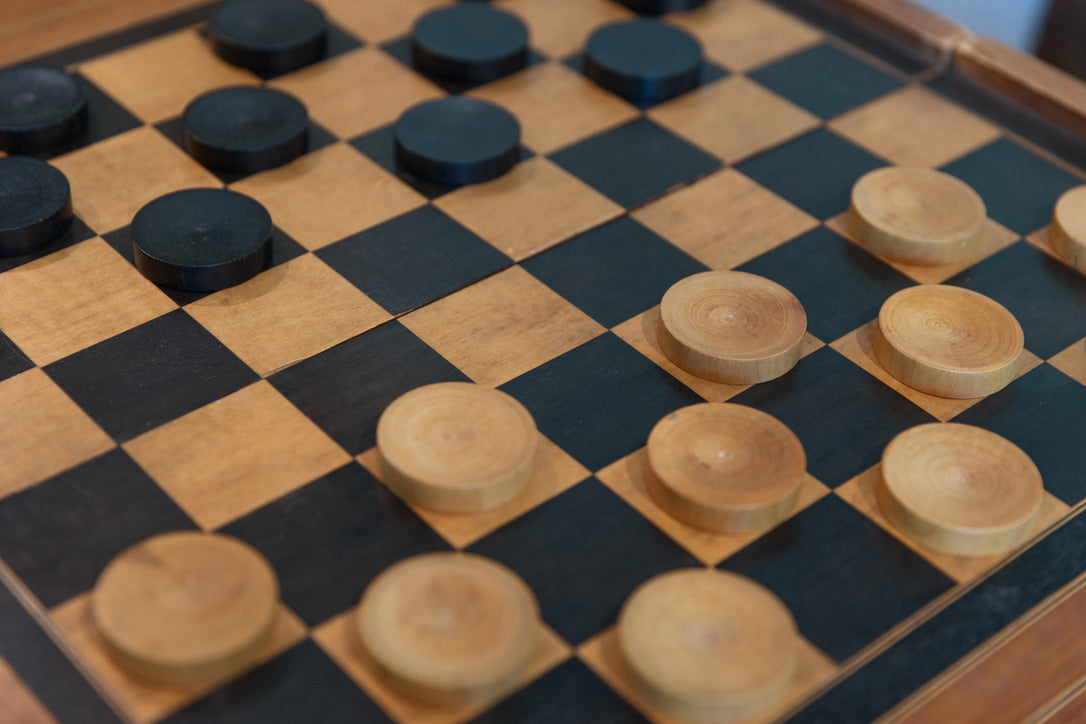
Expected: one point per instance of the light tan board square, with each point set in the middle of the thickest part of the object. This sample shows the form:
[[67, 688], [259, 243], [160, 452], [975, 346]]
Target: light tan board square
[[555, 105], [994, 237], [553, 472], [113, 179], [287, 313], [857, 346], [1041, 240], [502, 326], [642, 333], [236, 454], [535, 206], [744, 34], [626, 477], [21, 706], [914, 126], [157, 79], [358, 91], [860, 494], [561, 27], [1072, 361], [329, 194], [378, 22], [734, 118], [44, 432], [602, 655], [340, 641], [146, 701], [725, 219], [73, 298]]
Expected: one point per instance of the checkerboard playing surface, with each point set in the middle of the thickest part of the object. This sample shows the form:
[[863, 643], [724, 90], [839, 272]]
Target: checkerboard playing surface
[[130, 410]]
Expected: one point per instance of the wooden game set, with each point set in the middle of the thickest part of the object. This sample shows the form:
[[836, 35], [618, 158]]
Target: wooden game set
[[540, 361]]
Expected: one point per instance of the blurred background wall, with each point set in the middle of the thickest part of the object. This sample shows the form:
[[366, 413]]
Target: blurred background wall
[[1015, 22]]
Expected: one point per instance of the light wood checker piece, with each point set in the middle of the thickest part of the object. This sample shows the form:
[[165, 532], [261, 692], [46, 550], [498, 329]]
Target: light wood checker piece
[[724, 468], [708, 646], [1068, 230], [959, 489], [449, 627], [916, 215], [456, 447], [948, 341], [186, 607], [732, 327]]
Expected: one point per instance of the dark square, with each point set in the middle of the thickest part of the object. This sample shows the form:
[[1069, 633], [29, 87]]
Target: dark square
[[710, 73], [569, 693], [1046, 297], [283, 249], [316, 138], [329, 539], [380, 147], [105, 118], [345, 389], [583, 553], [614, 271], [824, 80], [77, 232], [599, 402], [1019, 188], [300, 685], [1041, 412], [400, 49], [635, 162], [815, 172], [840, 285], [413, 259], [59, 535], [843, 416], [150, 375], [12, 359], [845, 580]]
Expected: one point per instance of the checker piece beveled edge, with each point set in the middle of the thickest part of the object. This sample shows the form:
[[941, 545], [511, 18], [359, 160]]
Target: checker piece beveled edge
[[732, 327], [948, 341], [186, 607], [959, 489], [449, 627], [456, 447], [1068, 231], [708, 646], [725, 468]]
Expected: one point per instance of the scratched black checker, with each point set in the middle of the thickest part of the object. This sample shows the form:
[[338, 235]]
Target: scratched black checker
[[329, 539], [105, 118], [61, 533], [615, 271], [635, 163]]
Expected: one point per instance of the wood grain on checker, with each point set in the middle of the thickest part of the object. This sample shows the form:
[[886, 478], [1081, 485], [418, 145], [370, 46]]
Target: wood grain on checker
[[131, 411]]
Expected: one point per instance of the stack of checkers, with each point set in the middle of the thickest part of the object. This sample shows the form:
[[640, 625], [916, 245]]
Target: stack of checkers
[[699, 645]]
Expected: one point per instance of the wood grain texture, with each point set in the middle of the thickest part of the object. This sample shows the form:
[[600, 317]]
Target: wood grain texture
[[1068, 230], [17, 702], [915, 26]]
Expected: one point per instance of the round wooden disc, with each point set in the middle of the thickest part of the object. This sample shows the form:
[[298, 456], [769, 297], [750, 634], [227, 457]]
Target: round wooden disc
[[917, 215], [733, 327], [707, 645], [449, 627], [725, 468], [1068, 230], [948, 341], [456, 447], [186, 607], [959, 489]]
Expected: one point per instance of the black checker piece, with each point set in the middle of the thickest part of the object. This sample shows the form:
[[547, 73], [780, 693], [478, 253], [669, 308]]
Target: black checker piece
[[35, 205], [643, 60], [201, 240], [39, 108], [470, 43], [268, 36], [246, 129], [659, 7], [456, 141]]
